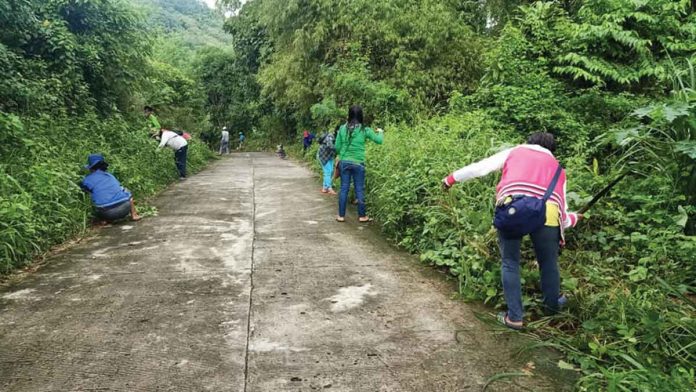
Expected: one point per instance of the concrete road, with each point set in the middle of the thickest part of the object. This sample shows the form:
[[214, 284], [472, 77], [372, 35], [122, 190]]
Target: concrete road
[[244, 282]]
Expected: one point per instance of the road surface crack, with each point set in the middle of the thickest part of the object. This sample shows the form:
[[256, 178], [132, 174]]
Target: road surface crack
[[251, 274]]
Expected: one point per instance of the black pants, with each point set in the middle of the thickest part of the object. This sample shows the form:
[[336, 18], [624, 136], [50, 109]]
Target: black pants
[[180, 160]]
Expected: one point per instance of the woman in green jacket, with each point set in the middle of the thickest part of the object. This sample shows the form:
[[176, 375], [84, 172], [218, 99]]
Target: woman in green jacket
[[152, 122], [350, 146]]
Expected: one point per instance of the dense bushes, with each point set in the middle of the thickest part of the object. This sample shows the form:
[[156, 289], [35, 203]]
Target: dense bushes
[[613, 80], [72, 56], [75, 77], [42, 203], [623, 324], [627, 269]]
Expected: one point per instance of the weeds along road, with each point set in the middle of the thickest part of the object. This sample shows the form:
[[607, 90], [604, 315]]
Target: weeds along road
[[244, 282]]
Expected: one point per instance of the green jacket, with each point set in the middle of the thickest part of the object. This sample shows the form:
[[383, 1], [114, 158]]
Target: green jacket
[[153, 123], [351, 148]]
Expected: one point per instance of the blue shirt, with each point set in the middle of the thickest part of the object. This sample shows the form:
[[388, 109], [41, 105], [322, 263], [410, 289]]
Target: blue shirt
[[105, 189]]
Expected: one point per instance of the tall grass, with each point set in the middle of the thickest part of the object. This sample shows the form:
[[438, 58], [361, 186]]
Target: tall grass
[[41, 162], [628, 269]]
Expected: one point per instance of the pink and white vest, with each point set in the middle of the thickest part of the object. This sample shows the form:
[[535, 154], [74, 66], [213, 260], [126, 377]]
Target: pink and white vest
[[529, 171]]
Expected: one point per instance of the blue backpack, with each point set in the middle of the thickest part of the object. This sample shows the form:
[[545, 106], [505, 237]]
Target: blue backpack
[[524, 214]]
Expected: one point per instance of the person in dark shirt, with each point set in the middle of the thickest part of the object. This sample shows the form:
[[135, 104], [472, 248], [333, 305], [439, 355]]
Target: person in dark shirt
[[112, 201], [307, 139], [242, 138]]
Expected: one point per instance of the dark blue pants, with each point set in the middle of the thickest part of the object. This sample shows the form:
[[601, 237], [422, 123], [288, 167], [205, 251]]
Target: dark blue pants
[[355, 171], [180, 161], [546, 247], [115, 212]]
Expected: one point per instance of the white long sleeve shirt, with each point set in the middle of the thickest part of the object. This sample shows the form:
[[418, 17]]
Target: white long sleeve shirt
[[483, 167], [172, 140], [520, 185]]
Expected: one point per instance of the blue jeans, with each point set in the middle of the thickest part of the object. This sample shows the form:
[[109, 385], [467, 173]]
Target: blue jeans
[[546, 247], [180, 161], [355, 171], [328, 174]]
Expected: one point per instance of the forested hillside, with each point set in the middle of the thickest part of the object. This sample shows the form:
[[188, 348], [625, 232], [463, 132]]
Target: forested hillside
[[76, 75], [192, 20], [455, 81]]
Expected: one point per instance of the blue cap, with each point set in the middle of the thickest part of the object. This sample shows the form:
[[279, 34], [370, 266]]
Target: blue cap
[[93, 159]]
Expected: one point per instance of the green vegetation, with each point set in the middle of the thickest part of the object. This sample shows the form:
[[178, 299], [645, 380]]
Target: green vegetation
[[76, 75], [454, 81]]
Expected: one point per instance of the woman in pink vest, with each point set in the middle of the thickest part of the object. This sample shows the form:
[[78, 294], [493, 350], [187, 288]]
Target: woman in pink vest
[[528, 169]]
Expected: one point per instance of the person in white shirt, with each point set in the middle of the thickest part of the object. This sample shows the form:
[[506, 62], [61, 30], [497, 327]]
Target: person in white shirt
[[177, 143], [225, 141]]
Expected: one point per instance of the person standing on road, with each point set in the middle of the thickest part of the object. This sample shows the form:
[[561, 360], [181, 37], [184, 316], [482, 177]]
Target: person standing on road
[[529, 170], [242, 138], [152, 121], [177, 143], [350, 145], [225, 141], [112, 201], [326, 155]]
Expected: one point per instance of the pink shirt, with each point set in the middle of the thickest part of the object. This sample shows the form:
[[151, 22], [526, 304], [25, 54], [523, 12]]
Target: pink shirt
[[527, 170]]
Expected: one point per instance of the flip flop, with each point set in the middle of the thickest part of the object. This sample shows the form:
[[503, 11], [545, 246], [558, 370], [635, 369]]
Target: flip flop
[[365, 219], [340, 219], [503, 319]]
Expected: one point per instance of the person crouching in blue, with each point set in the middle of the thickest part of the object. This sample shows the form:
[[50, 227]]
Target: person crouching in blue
[[112, 201]]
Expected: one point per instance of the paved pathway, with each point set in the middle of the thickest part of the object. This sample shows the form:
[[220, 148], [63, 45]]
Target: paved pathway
[[243, 283]]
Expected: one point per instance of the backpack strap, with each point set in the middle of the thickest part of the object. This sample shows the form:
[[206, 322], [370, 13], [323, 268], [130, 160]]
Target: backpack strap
[[552, 186]]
